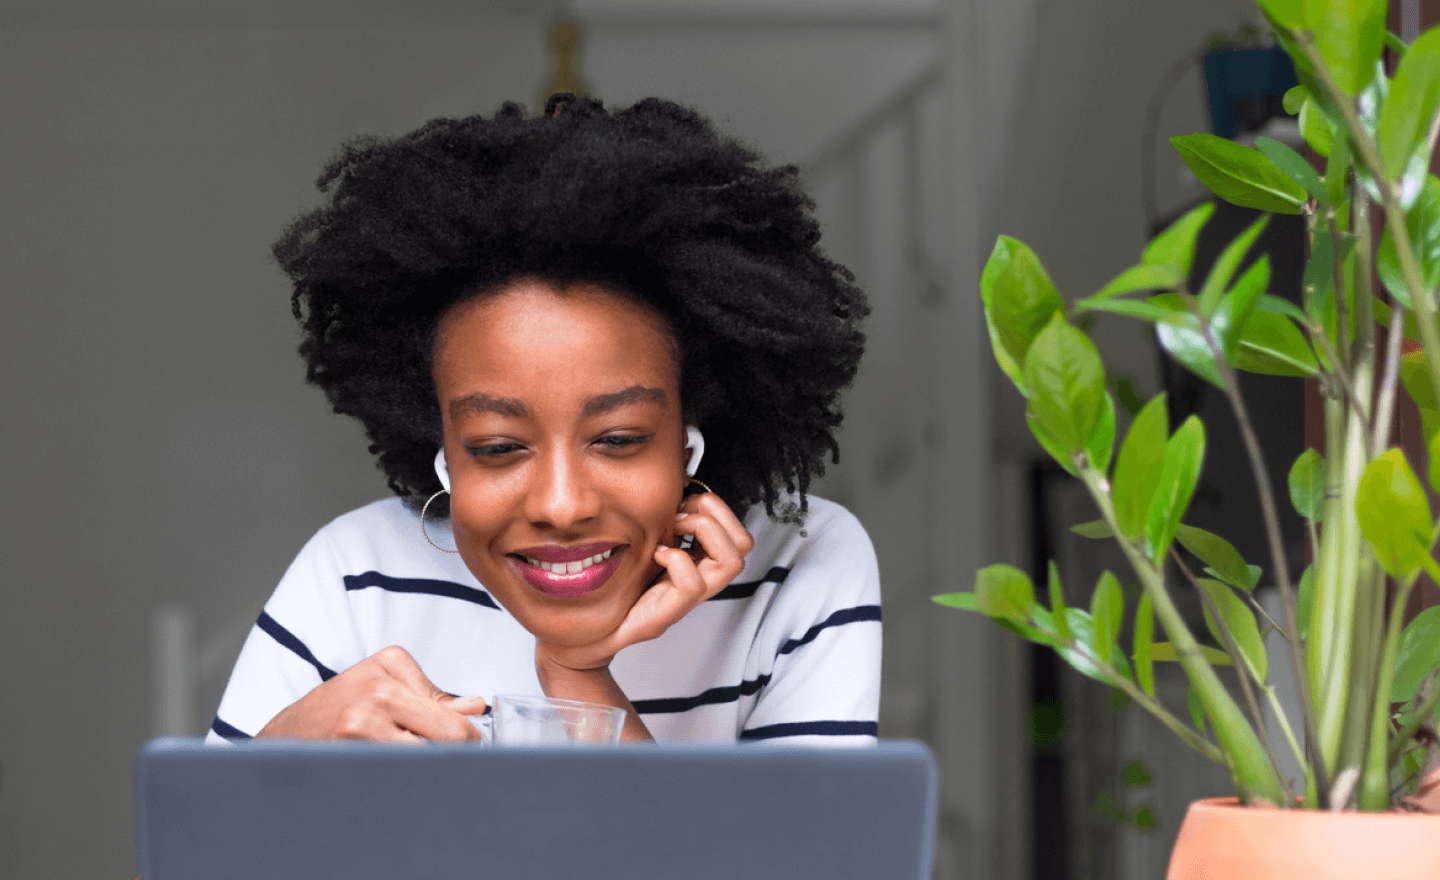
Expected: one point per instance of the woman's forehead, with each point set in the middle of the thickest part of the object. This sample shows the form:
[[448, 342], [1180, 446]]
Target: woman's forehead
[[533, 337]]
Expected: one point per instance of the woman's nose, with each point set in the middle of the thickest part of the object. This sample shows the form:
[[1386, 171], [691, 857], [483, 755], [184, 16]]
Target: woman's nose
[[562, 493]]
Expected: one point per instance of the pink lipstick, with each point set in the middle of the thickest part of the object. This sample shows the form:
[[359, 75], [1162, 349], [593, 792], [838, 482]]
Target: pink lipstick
[[568, 572]]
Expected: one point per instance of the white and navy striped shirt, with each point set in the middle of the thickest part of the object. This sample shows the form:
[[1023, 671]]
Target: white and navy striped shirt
[[789, 652]]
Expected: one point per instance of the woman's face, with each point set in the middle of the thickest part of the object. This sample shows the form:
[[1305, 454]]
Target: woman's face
[[561, 411]]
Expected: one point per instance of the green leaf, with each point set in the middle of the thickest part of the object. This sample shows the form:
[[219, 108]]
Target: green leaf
[[1107, 608], [1305, 601], [1175, 247], [1422, 222], [1317, 130], [1225, 266], [1239, 175], [1349, 35], [1215, 552], [1135, 774], [1294, 166], [1052, 446], [1337, 171], [1235, 307], [1292, 14], [1417, 656], [963, 601], [1272, 345], [1240, 621], [1083, 631], [1067, 384], [1394, 514], [1184, 454], [1274, 305], [1432, 470], [1293, 99], [1319, 277], [1164, 652], [1137, 470], [1057, 603], [1411, 105], [1146, 822], [1307, 485], [1144, 638], [1415, 376], [1130, 308], [1019, 301], [1181, 337], [1102, 442], [1095, 528], [1146, 276], [1004, 592]]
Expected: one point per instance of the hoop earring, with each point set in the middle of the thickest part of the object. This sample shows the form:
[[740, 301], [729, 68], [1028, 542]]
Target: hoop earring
[[696, 482], [422, 523]]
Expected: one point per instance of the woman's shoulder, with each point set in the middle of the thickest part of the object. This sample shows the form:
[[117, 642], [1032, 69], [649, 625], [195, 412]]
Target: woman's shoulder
[[383, 536], [825, 545]]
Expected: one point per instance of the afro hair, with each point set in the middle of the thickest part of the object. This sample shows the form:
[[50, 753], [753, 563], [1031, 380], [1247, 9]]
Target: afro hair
[[649, 201]]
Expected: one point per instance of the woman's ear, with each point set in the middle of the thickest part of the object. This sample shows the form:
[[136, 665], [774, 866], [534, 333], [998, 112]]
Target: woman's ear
[[694, 449]]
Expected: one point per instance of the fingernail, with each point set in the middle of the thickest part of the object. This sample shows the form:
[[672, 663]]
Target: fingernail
[[680, 516]]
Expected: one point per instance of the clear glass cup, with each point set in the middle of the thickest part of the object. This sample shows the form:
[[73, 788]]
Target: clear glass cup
[[517, 720]]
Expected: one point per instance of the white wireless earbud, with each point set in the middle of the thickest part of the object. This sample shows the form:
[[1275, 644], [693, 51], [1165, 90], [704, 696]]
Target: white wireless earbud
[[695, 443], [442, 470]]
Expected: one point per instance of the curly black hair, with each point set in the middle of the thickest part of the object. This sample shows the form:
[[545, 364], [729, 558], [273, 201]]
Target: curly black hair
[[649, 201]]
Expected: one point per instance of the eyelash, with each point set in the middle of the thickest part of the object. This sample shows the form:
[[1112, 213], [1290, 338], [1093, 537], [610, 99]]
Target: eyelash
[[612, 441]]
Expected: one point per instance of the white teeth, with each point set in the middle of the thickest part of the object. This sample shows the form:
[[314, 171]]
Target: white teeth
[[570, 567]]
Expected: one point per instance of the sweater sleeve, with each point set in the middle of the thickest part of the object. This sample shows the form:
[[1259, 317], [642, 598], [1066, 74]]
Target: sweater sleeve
[[306, 634], [824, 685]]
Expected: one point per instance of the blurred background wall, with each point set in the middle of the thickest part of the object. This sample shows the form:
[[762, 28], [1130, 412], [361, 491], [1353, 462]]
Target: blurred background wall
[[164, 459]]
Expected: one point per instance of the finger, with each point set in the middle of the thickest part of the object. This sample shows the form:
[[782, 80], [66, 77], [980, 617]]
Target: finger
[[398, 662], [721, 560], [421, 714], [711, 505]]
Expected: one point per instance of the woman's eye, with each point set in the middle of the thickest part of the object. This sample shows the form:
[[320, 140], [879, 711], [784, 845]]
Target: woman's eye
[[620, 442], [493, 450]]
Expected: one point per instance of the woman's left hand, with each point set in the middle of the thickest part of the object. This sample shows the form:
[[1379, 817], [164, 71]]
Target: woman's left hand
[[690, 577]]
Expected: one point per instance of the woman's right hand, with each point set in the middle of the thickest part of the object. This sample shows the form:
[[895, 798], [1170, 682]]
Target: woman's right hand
[[385, 697]]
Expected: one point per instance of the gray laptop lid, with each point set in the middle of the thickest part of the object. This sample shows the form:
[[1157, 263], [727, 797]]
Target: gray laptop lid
[[278, 810]]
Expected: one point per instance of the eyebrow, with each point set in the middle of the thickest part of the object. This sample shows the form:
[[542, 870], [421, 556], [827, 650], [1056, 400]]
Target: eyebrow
[[602, 403], [518, 409]]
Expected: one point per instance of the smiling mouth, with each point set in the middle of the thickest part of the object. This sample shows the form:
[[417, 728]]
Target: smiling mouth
[[568, 567], [568, 580]]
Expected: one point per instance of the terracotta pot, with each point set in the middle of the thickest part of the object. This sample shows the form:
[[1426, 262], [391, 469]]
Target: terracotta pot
[[1221, 840]]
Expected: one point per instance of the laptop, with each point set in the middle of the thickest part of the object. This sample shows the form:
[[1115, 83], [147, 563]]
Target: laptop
[[282, 809]]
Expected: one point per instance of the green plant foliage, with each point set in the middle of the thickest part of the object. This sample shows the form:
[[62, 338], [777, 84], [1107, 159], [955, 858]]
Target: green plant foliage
[[1083, 630], [1418, 655], [1135, 774], [1271, 345], [1349, 35], [1317, 131], [1096, 528], [1145, 276], [1144, 638], [1227, 264], [1004, 592], [1305, 601], [1019, 299], [1057, 603], [1217, 553], [1067, 385], [1410, 106], [1137, 470], [1239, 175], [1394, 514], [1235, 308], [1423, 226], [1184, 454], [1175, 247], [1240, 621], [1307, 485], [1183, 339], [1107, 609], [1415, 376], [1164, 652], [1294, 166], [1197, 709]]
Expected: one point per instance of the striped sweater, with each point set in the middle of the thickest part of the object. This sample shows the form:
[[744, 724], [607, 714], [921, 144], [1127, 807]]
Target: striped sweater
[[788, 653]]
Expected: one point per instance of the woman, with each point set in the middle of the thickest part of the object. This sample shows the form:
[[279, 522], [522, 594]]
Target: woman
[[548, 327]]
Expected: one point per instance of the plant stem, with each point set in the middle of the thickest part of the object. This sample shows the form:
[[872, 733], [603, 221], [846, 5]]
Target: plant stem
[[1412, 724], [1243, 670], [1389, 383], [1277, 559], [1375, 778], [1247, 761]]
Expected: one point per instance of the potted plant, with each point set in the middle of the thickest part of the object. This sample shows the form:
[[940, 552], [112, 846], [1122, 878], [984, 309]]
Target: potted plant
[[1368, 694]]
